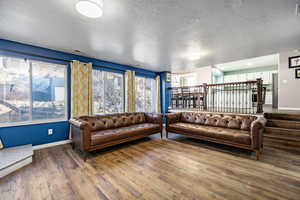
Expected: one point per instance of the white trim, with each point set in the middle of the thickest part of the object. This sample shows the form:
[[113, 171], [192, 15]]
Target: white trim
[[32, 122], [52, 144], [15, 166], [288, 108]]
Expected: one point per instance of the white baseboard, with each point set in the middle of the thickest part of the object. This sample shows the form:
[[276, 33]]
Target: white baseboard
[[288, 108], [15, 166], [52, 144]]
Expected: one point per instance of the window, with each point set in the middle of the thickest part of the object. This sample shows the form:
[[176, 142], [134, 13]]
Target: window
[[31, 91], [108, 92], [145, 94]]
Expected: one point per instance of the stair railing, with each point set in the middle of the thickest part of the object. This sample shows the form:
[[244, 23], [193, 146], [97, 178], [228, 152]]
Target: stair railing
[[236, 97]]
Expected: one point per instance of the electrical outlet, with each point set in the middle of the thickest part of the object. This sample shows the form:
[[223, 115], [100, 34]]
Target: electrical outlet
[[50, 131]]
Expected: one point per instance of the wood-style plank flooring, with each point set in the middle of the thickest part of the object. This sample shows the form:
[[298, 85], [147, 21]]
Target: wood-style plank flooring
[[151, 168]]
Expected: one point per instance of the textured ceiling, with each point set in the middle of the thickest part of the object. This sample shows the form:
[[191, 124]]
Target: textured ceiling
[[158, 35]]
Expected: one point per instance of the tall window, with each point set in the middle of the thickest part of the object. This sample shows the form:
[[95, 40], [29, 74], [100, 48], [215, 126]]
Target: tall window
[[31, 91], [145, 94], [108, 92]]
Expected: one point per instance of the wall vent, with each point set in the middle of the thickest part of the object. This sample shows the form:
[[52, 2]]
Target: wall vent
[[298, 9]]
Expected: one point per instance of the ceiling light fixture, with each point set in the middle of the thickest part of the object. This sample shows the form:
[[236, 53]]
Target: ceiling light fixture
[[90, 8]]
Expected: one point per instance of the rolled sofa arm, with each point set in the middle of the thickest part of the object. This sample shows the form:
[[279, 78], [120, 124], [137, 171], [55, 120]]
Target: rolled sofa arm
[[172, 118], [78, 123], [81, 134], [155, 118], [257, 131]]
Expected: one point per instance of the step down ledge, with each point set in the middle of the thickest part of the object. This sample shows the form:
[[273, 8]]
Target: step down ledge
[[14, 158], [10, 169]]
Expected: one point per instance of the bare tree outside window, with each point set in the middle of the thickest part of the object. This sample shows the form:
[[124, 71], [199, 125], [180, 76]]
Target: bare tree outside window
[[31, 90], [108, 92], [145, 94]]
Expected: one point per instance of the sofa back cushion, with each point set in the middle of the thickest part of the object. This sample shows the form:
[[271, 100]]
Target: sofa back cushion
[[102, 122], [232, 121]]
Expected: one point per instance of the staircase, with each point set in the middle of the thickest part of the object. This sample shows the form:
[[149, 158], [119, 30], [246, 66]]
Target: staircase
[[283, 129], [14, 158]]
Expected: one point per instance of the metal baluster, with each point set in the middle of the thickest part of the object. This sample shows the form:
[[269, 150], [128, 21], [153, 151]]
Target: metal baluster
[[239, 98], [235, 97]]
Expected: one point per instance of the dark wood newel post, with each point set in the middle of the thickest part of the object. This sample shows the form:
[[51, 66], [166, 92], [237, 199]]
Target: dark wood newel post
[[205, 96], [259, 95]]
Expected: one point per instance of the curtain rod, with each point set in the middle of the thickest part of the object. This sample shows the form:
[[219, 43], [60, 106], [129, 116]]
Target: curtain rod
[[48, 57], [32, 54]]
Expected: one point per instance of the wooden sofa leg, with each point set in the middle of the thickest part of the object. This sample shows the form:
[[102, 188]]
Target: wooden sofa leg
[[73, 145], [261, 150], [85, 155], [257, 152]]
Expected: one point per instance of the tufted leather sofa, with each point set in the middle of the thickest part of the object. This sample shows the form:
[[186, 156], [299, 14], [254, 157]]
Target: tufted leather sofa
[[243, 131], [96, 132]]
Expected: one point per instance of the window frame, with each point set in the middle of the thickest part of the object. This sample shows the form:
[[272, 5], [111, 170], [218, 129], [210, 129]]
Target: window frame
[[66, 96], [103, 70]]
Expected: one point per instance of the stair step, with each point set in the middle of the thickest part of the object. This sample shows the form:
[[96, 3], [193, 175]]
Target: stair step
[[14, 158], [288, 124], [277, 142], [282, 133], [293, 134], [283, 116]]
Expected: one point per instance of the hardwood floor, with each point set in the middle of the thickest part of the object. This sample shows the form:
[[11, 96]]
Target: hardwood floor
[[178, 168]]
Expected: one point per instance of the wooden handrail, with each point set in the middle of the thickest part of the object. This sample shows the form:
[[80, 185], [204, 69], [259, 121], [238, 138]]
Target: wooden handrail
[[216, 84], [232, 83], [185, 87]]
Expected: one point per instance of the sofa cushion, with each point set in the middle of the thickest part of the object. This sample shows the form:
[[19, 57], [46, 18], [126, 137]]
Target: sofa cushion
[[246, 124], [211, 121], [187, 117], [222, 122], [232, 135], [200, 119], [234, 124], [103, 136]]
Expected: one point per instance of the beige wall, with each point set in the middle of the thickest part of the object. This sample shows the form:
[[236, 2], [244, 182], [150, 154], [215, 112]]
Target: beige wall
[[289, 87]]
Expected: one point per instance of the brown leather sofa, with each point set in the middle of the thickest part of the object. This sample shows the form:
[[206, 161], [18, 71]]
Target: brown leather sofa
[[243, 131], [96, 132]]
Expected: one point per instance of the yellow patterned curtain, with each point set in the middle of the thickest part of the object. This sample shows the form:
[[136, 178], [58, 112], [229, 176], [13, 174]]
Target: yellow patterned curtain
[[1, 145], [81, 81], [158, 107], [130, 91]]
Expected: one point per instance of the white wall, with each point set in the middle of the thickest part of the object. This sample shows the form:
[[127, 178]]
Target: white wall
[[197, 77], [289, 86], [204, 75]]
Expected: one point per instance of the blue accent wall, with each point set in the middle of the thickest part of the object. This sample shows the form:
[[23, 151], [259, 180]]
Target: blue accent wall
[[38, 133], [34, 134], [165, 93]]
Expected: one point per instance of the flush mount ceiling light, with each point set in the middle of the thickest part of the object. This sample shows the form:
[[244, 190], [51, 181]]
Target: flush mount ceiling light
[[90, 8]]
